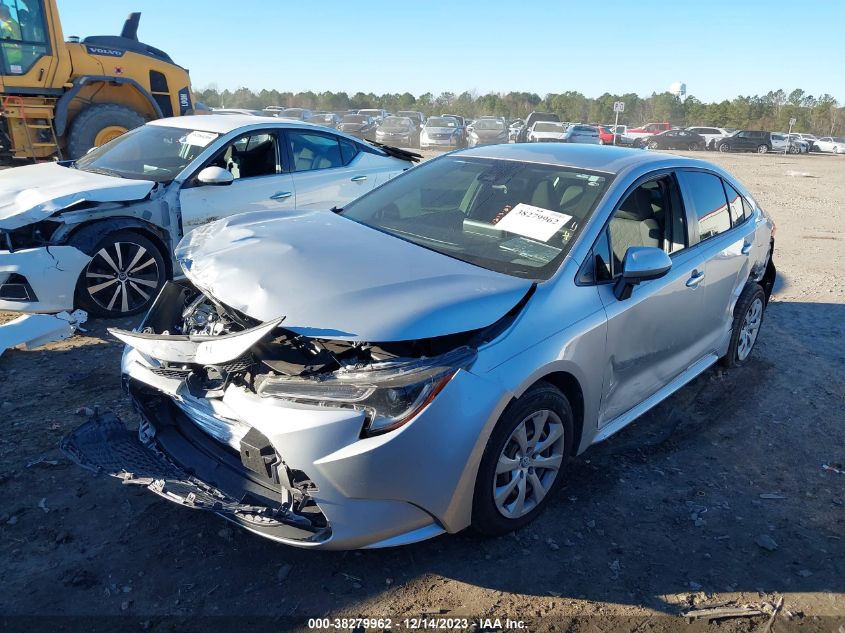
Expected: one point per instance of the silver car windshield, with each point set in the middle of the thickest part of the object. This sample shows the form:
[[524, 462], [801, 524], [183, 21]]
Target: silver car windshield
[[512, 217], [150, 152]]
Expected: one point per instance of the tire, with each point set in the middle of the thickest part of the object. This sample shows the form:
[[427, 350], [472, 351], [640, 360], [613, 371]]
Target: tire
[[693, 147], [724, 148], [793, 149], [107, 286], [95, 119], [542, 401], [748, 318], [653, 145], [762, 149]]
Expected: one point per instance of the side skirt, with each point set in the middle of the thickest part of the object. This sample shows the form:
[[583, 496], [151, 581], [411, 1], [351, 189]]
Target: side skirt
[[619, 423]]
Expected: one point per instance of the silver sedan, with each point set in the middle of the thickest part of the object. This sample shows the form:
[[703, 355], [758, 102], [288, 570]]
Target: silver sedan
[[430, 357]]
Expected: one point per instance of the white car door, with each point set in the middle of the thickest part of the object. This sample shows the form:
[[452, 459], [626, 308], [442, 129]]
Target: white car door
[[327, 170], [260, 182]]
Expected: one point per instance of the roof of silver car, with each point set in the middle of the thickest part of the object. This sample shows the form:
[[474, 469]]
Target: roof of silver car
[[603, 158]]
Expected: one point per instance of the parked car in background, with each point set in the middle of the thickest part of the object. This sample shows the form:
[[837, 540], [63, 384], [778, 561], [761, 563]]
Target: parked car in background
[[417, 117], [533, 118], [674, 139], [327, 119], [359, 125], [580, 133], [99, 233], [515, 129], [605, 134], [443, 132], [476, 322], [374, 113], [299, 114], [462, 126], [546, 131], [780, 145], [712, 135], [797, 143], [400, 131], [811, 140], [647, 130], [834, 144], [487, 131], [758, 141]]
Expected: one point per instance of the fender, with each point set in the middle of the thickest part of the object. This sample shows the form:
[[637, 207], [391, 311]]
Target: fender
[[63, 102], [86, 237]]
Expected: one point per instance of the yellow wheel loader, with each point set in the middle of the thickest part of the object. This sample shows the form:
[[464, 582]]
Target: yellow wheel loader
[[60, 99]]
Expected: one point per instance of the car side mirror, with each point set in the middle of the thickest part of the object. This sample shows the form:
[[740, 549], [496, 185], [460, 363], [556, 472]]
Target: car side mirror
[[216, 176], [641, 263]]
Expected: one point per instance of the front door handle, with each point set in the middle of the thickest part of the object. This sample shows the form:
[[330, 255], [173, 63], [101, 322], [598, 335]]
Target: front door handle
[[697, 278], [746, 248], [281, 195], [359, 179]]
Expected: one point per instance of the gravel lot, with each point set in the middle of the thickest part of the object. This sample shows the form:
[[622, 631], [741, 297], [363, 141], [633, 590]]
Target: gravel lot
[[665, 516]]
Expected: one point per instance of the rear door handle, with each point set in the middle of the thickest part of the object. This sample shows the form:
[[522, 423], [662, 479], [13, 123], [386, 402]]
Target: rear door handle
[[746, 248], [281, 195], [359, 178], [697, 278]]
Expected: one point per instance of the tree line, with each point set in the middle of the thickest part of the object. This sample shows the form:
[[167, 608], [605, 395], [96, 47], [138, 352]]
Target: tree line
[[821, 115]]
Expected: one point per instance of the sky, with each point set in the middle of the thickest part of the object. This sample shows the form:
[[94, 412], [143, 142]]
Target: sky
[[718, 48]]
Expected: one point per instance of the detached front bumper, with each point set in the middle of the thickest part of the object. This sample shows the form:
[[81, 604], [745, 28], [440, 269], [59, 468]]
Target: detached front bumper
[[40, 279], [365, 492]]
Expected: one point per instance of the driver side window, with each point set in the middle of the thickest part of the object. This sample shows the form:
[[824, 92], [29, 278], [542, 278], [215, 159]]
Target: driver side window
[[651, 215], [249, 156], [22, 36]]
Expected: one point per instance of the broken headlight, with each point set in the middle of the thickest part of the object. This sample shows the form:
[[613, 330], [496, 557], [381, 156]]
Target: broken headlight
[[391, 393]]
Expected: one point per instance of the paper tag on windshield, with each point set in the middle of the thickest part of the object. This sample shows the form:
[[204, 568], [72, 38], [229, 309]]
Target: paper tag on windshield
[[534, 222], [199, 139]]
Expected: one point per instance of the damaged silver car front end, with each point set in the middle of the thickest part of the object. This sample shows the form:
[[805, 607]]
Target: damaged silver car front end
[[263, 426]]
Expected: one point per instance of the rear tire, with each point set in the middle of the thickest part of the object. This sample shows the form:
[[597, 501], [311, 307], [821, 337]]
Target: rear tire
[[124, 276], [510, 461], [93, 120], [762, 149], [748, 318]]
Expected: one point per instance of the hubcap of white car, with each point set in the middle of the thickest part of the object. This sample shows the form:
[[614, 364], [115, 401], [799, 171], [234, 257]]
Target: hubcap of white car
[[750, 328], [121, 277], [528, 464]]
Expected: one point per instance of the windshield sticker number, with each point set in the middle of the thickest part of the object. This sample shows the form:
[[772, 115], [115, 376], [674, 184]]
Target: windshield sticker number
[[198, 139], [534, 222]]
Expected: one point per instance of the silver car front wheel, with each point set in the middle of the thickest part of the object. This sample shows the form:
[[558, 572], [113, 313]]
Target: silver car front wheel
[[528, 464], [523, 461]]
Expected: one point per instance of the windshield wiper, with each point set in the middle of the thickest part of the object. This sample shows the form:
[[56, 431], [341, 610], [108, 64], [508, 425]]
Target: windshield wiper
[[395, 152], [102, 171]]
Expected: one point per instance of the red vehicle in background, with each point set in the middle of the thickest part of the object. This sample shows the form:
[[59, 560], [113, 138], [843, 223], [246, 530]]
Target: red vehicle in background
[[648, 130], [605, 134]]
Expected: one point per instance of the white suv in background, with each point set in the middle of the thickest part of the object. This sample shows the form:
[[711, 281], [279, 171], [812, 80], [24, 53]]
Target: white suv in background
[[712, 135]]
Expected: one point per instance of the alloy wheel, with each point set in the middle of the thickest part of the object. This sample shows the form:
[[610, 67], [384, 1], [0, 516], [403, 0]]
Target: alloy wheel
[[121, 276], [529, 464], [750, 328], [762, 149]]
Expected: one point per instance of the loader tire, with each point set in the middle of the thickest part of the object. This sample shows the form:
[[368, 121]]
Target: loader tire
[[99, 124]]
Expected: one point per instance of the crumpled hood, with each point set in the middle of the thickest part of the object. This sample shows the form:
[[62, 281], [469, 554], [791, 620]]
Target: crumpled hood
[[331, 277], [35, 192]]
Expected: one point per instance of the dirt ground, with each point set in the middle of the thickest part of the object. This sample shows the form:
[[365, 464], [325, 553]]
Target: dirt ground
[[663, 517]]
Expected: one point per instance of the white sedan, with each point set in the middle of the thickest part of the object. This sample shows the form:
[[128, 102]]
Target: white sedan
[[835, 144], [99, 233]]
